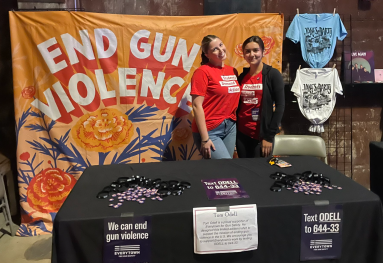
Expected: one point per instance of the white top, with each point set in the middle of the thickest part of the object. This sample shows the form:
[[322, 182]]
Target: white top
[[315, 90]]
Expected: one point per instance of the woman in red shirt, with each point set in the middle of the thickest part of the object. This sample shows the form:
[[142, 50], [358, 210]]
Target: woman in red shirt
[[215, 95], [261, 87]]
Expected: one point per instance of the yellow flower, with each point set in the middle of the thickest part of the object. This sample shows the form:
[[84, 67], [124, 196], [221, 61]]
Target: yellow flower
[[103, 130]]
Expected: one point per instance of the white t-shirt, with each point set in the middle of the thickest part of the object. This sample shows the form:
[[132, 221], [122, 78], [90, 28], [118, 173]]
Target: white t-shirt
[[315, 90]]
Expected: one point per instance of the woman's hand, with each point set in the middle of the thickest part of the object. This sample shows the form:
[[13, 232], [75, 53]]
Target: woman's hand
[[266, 148], [206, 149]]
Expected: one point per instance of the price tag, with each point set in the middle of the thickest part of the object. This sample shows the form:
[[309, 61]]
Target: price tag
[[321, 232]]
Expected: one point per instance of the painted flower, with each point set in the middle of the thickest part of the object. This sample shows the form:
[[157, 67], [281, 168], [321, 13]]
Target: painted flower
[[269, 44], [28, 92], [48, 190], [181, 135], [103, 130], [25, 156], [238, 50]]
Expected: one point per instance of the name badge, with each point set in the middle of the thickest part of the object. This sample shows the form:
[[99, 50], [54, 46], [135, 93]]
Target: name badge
[[255, 114]]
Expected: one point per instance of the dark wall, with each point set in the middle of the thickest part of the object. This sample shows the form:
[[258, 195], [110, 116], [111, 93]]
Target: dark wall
[[357, 118], [220, 7], [143, 7], [7, 117]]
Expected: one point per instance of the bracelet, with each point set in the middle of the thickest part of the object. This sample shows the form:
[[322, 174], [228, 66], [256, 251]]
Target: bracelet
[[206, 140]]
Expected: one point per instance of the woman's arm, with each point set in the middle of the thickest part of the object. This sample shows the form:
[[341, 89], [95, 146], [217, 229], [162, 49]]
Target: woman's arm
[[278, 94], [199, 116]]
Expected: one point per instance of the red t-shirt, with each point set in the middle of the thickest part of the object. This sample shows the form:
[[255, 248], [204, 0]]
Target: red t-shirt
[[221, 90], [249, 113]]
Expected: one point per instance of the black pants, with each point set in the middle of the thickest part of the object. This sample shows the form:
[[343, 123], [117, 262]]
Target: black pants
[[248, 147]]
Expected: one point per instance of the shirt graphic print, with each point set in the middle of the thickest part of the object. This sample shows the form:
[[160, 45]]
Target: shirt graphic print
[[317, 34], [316, 91]]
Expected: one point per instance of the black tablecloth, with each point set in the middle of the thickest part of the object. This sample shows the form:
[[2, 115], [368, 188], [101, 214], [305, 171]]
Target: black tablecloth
[[376, 168], [78, 227]]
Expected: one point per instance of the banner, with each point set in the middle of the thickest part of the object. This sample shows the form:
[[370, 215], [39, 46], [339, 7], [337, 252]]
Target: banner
[[95, 89]]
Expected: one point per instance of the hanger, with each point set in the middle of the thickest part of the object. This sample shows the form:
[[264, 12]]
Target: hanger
[[299, 67], [298, 11], [333, 14], [333, 66]]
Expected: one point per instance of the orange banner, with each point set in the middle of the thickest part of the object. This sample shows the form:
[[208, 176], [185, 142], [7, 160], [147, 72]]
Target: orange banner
[[95, 89]]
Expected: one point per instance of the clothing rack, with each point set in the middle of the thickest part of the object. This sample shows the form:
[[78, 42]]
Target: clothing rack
[[338, 128]]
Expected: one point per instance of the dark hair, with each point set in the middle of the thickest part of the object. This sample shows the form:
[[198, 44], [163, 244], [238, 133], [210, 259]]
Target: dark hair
[[204, 47], [255, 39]]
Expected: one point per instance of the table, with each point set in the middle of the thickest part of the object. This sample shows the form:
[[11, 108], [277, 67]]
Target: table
[[78, 226], [376, 168]]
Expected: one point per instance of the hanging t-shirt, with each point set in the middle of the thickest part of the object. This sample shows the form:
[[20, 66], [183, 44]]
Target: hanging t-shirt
[[221, 90], [317, 34], [315, 90], [250, 107]]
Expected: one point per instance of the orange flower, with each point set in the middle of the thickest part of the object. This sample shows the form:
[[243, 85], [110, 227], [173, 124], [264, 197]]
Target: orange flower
[[180, 135], [28, 92], [269, 44], [238, 50], [103, 130], [48, 190]]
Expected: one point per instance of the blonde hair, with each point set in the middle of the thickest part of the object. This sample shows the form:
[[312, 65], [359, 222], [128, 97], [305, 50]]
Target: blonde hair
[[205, 46]]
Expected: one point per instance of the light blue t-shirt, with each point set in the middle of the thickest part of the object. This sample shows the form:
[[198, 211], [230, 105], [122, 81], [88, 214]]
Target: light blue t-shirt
[[317, 34]]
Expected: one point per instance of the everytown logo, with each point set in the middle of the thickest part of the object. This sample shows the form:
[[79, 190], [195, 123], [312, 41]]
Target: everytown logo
[[322, 244], [127, 251]]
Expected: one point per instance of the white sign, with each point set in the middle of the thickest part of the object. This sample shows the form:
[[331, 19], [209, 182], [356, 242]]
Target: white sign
[[225, 232]]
